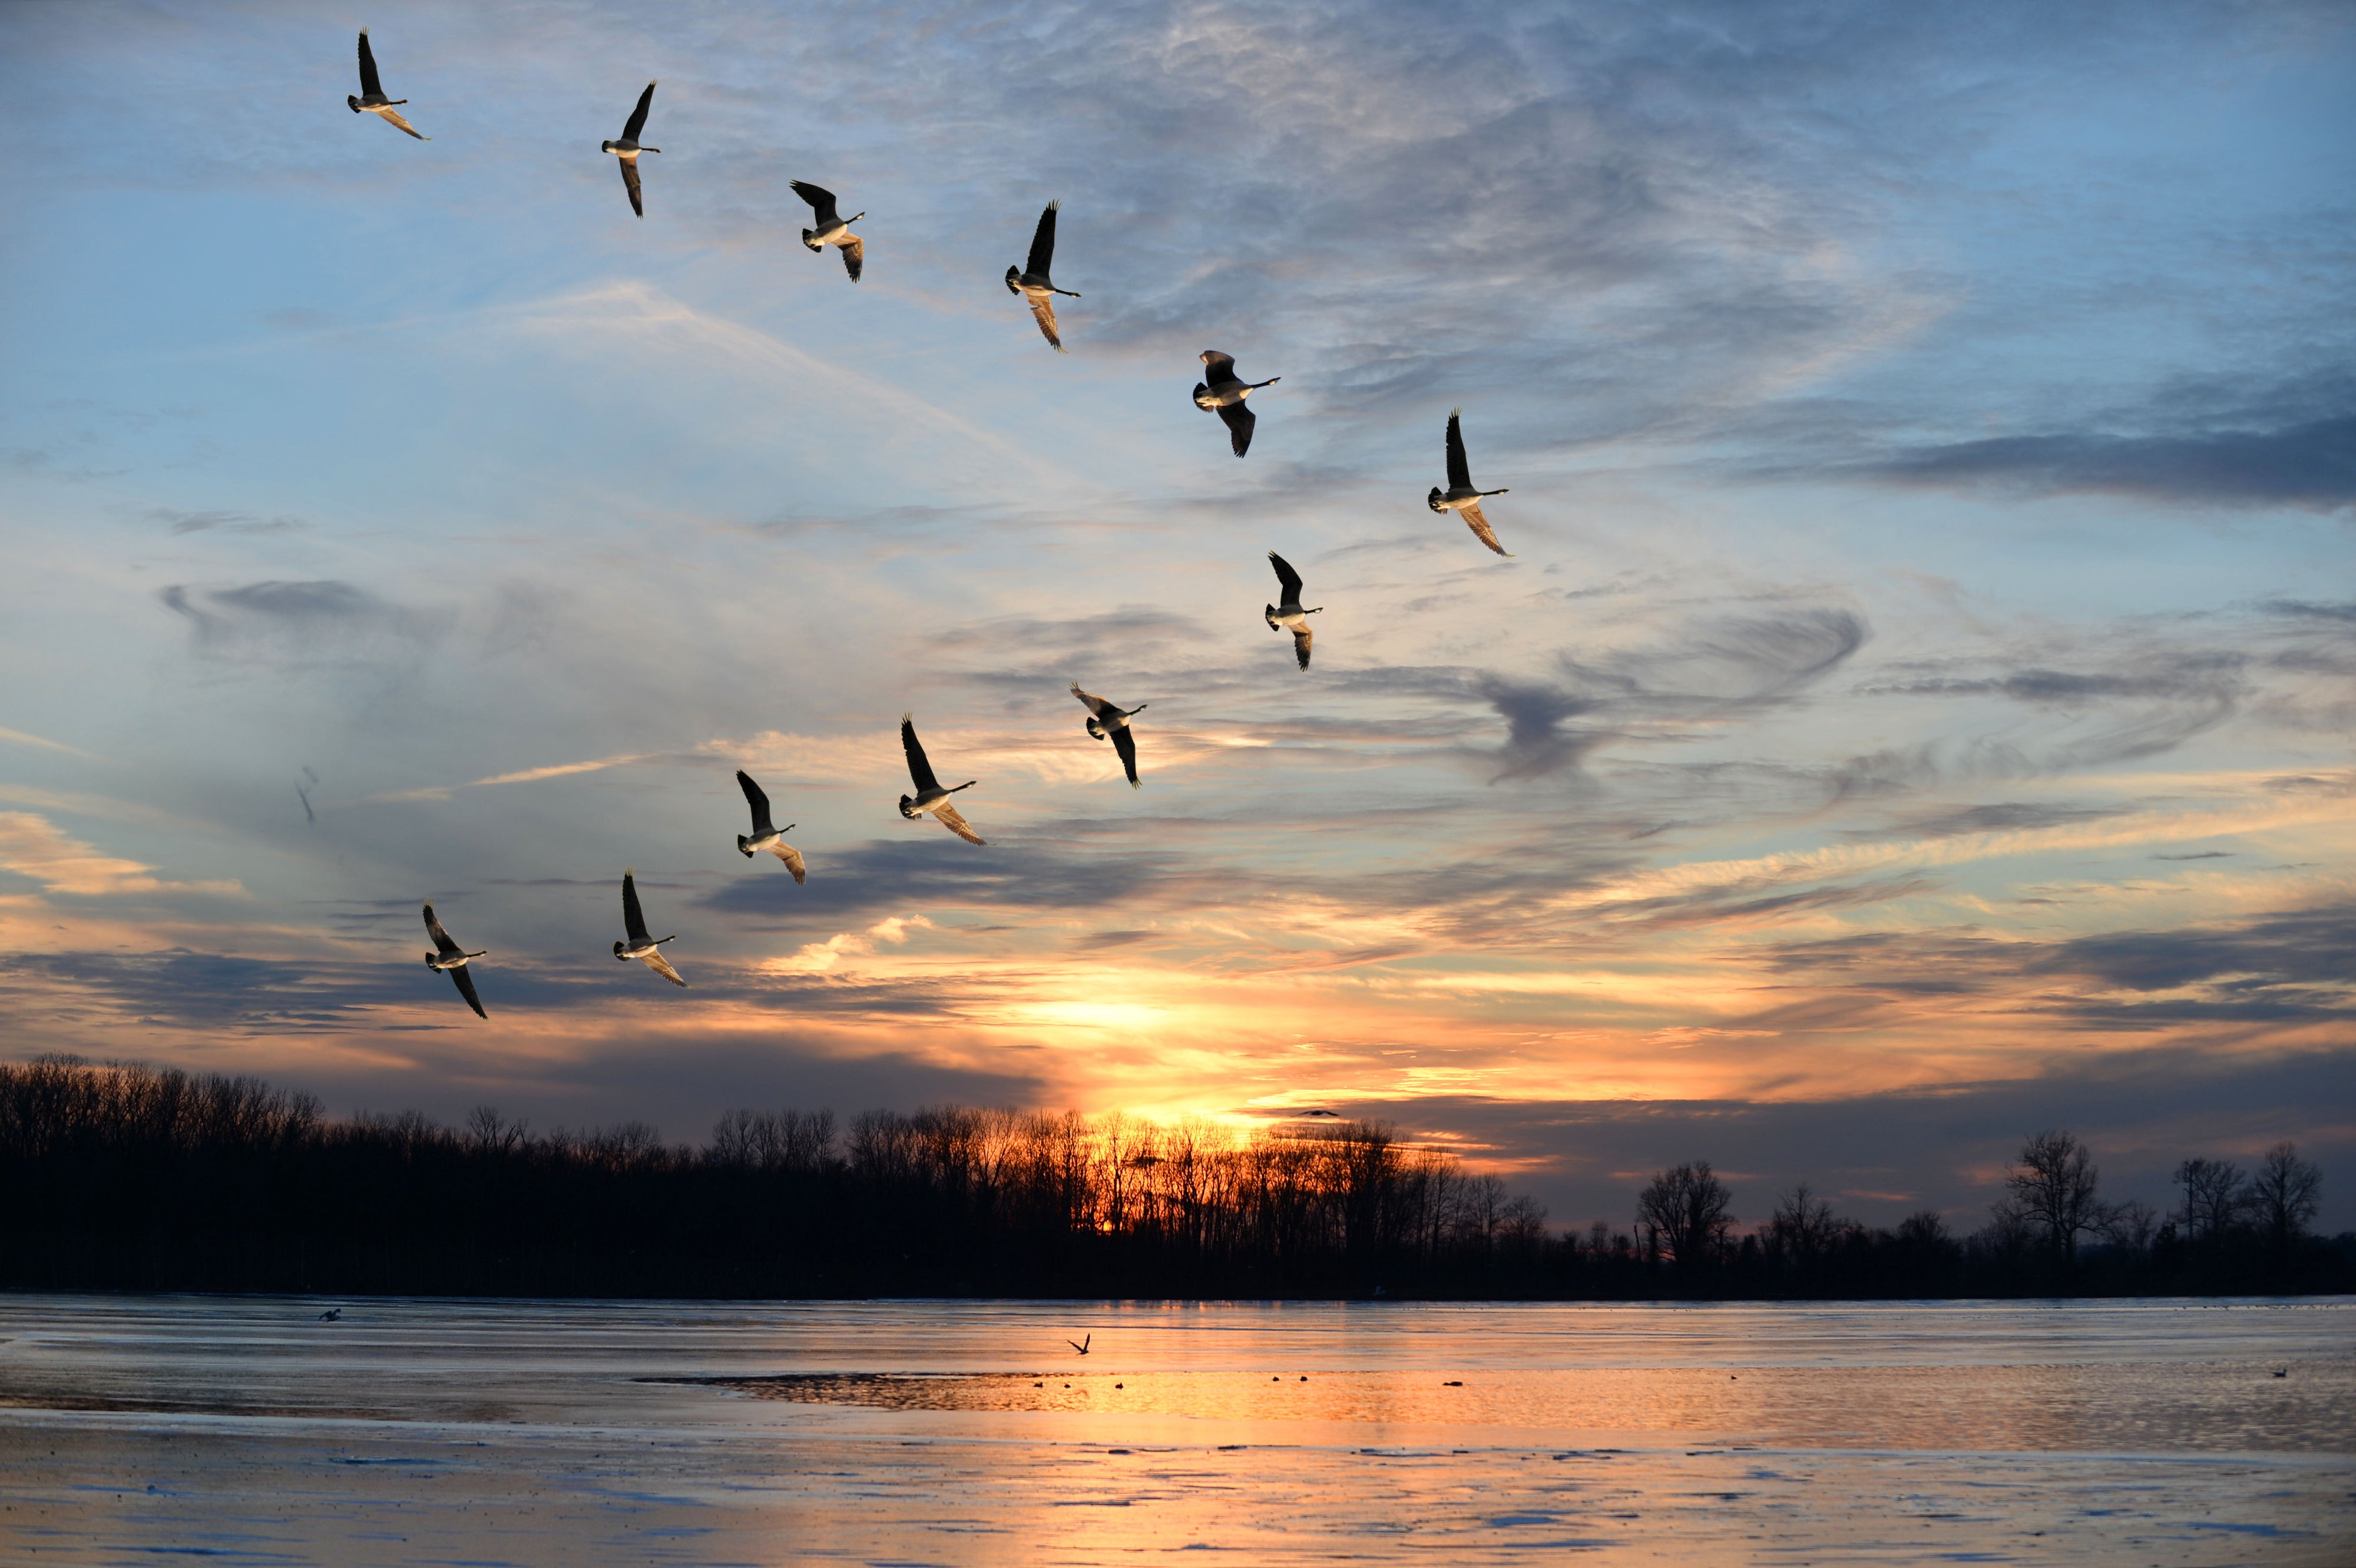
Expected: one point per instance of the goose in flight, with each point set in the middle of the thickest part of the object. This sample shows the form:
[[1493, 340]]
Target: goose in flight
[[1223, 393], [1082, 1343], [1105, 719], [640, 945], [1031, 281], [1289, 614], [832, 228], [1460, 497], [765, 836], [372, 100], [628, 148], [450, 960], [930, 796]]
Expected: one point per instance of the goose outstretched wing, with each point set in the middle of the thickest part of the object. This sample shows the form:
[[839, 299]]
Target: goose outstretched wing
[[821, 201], [634, 919], [661, 965], [1287, 578], [441, 938], [793, 859], [1217, 367], [1300, 641], [630, 184], [369, 86], [854, 257], [1459, 473], [1240, 422], [1480, 527], [956, 824], [465, 980], [639, 115], [758, 801], [1124, 741], [1043, 243], [1095, 705], [1043, 311], [920, 771], [395, 117]]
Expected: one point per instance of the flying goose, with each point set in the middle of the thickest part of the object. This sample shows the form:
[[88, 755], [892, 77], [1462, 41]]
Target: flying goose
[[628, 148], [1289, 614], [372, 100], [450, 960], [1105, 719], [832, 229], [640, 945], [1082, 1343], [1031, 281], [930, 796], [1460, 497], [1225, 394], [765, 835]]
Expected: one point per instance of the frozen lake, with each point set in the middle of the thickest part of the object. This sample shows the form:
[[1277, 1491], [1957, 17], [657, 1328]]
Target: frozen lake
[[244, 1431]]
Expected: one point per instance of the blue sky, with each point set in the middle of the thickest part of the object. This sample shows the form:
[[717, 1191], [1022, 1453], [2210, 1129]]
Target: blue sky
[[1917, 710]]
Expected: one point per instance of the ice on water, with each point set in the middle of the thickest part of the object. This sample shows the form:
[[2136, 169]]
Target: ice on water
[[247, 1430]]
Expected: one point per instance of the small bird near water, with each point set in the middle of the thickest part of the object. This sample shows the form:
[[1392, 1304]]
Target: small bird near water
[[1032, 282], [929, 795], [1460, 497], [628, 148], [640, 945], [832, 229], [1107, 720], [1223, 393], [372, 99], [450, 960], [1082, 1343], [1288, 614], [764, 835]]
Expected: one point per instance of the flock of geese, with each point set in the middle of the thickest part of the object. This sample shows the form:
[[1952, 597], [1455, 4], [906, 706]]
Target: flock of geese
[[1221, 392]]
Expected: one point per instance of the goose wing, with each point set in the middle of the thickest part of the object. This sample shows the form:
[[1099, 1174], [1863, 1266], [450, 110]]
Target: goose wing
[[1043, 243], [630, 182], [854, 257], [1300, 641], [639, 115], [1480, 526], [661, 965], [1219, 367], [369, 86], [464, 979], [1459, 473], [441, 938], [395, 116], [1240, 422], [793, 859], [1043, 311], [821, 201], [1286, 577], [1095, 705], [956, 824], [1124, 741], [757, 800], [920, 771], [634, 919]]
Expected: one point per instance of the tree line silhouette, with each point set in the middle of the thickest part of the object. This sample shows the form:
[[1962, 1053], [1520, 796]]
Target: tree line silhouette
[[123, 1176]]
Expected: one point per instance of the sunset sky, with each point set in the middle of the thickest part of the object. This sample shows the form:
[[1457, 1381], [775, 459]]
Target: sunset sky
[[1918, 711]]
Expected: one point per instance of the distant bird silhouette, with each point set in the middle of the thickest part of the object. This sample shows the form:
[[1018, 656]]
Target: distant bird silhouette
[[333, 1314], [1460, 497], [1105, 719], [765, 836], [1031, 281], [929, 795], [450, 960], [1289, 614], [832, 229], [627, 149], [641, 946], [1082, 1344], [1224, 395], [372, 100]]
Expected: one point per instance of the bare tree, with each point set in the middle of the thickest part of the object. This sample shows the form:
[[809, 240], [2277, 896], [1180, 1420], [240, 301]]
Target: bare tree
[[493, 1134], [2214, 1198], [2284, 1194], [1686, 1211], [1804, 1227], [2131, 1225], [2055, 1183]]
